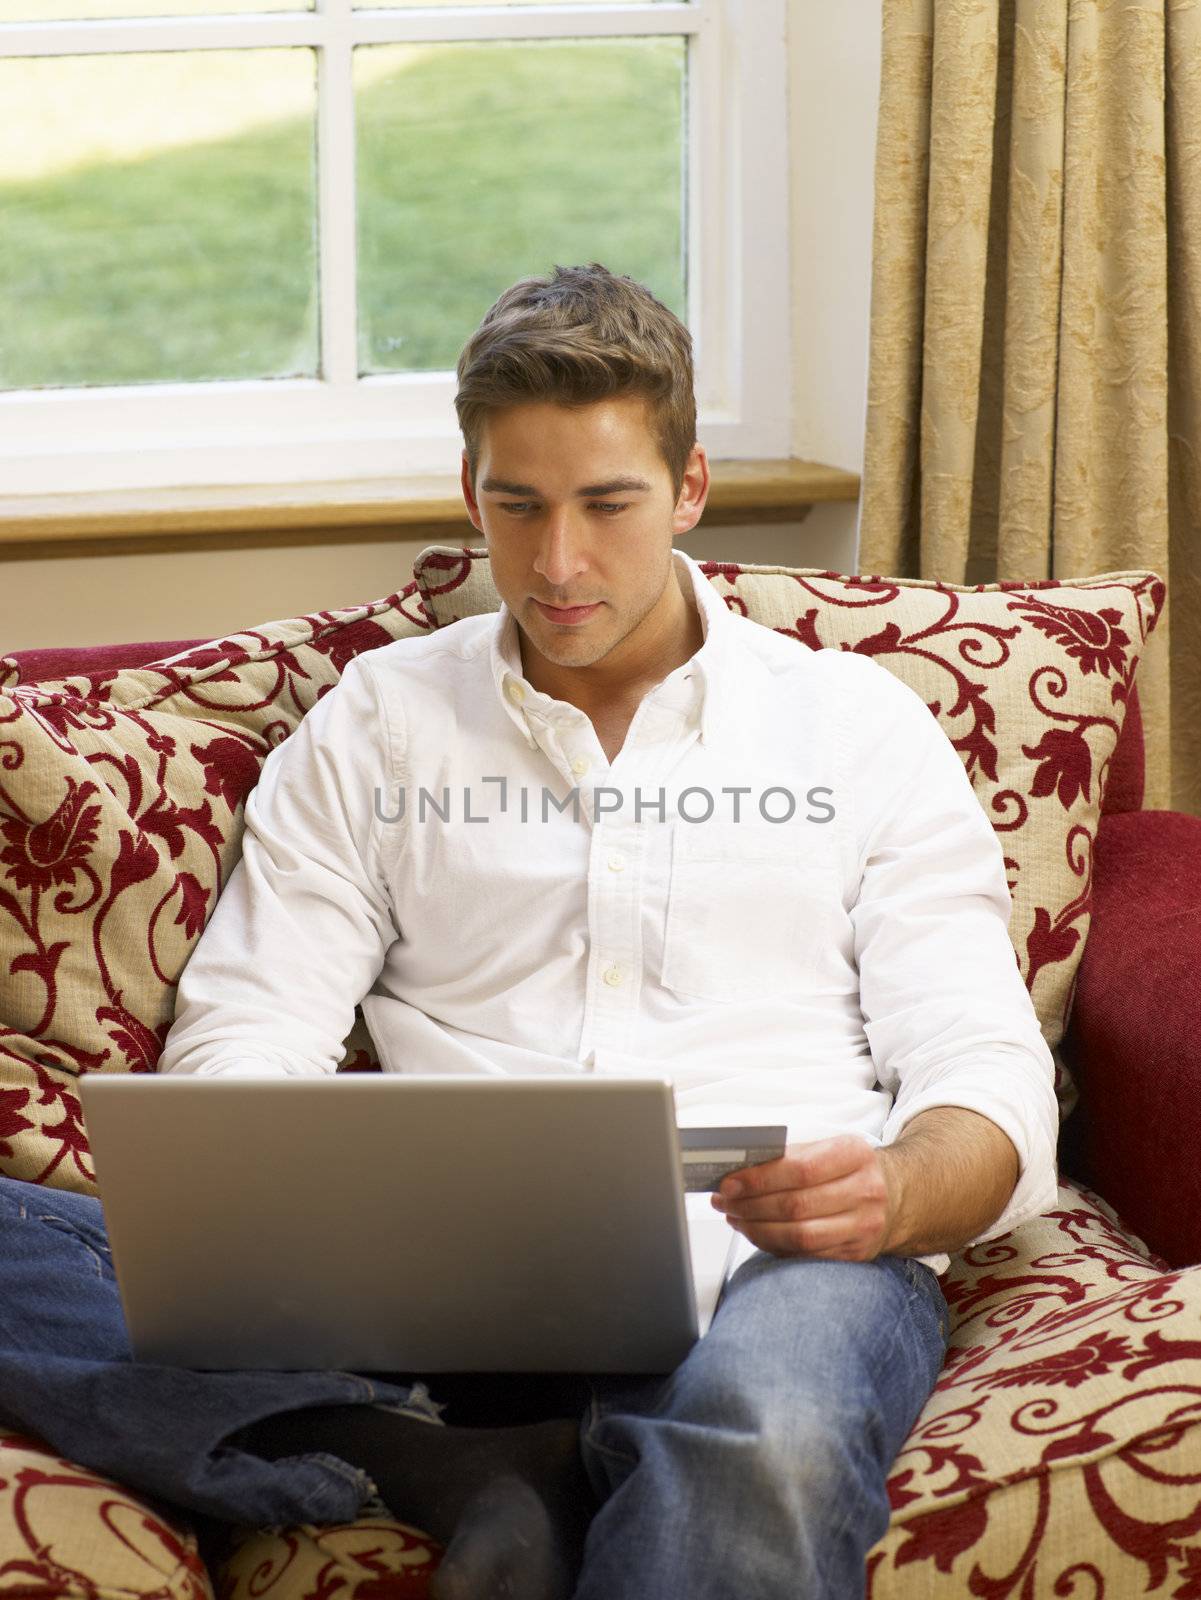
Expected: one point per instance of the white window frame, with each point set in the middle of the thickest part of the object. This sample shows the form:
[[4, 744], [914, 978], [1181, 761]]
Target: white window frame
[[340, 426]]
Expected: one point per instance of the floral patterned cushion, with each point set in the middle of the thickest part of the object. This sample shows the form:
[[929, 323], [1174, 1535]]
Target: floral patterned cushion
[[121, 804], [1060, 1452], [372, 1559], [1030, 682], [66, 1532]]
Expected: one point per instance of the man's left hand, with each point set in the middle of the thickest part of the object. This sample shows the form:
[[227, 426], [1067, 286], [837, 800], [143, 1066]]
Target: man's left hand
[[834, 1198]]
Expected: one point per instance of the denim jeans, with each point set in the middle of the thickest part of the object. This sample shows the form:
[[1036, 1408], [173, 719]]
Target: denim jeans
[[757, 1467]]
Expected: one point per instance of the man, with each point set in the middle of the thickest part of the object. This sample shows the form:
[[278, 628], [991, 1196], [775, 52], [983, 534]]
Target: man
[[679, 909]]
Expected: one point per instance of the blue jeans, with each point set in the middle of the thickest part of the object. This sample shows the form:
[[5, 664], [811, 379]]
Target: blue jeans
[[758, 1466]]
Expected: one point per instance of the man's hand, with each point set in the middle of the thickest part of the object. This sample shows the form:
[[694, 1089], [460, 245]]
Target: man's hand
[[945, 1180], [835, 1198]]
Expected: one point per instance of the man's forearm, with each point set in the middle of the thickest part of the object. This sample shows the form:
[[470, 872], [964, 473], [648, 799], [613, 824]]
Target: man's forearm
[[950, 1173]]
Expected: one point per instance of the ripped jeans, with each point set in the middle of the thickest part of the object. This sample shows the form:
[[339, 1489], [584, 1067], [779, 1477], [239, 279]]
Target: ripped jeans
[[757, 1467]]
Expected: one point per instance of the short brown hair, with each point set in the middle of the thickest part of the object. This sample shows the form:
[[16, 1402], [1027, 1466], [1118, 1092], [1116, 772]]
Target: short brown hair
[[580, 335]]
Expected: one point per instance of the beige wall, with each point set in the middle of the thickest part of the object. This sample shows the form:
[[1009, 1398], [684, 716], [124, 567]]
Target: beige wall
[[834, 64], [202, 594]]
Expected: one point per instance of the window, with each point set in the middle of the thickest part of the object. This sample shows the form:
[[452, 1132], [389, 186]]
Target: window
[[247, 246]]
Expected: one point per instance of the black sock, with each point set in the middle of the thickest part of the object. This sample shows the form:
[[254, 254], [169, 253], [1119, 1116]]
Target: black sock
[[508, 1545], [428, 1472]]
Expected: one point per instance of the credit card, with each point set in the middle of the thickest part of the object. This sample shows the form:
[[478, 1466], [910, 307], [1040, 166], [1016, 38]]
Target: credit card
[[709, 1154]]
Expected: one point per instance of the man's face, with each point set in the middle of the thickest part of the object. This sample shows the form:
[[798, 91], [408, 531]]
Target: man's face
[[577, 509]]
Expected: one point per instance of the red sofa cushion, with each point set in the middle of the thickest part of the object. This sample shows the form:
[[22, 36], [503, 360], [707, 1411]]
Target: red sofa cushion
[[1135, 1021], [101, 661], [1124, 786]]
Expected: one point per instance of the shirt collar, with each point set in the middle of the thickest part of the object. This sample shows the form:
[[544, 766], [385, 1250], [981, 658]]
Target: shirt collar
[[706, 673]]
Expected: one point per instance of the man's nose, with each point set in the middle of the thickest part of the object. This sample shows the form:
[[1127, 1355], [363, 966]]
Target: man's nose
[[561, 554]]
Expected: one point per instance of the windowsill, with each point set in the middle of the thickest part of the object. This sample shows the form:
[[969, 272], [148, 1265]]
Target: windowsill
[[428, 508]]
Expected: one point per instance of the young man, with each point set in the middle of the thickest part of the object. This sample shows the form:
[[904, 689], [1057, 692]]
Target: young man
[[848, 973]]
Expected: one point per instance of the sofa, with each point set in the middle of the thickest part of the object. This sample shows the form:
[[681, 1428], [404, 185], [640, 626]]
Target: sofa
[[1060, 1452]]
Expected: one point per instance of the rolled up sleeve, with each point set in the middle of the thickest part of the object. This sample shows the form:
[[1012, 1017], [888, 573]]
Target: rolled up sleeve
[[301, 929], [945, 1008]]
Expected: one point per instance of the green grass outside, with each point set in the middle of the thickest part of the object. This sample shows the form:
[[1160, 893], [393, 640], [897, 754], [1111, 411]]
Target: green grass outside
[[478, 164]]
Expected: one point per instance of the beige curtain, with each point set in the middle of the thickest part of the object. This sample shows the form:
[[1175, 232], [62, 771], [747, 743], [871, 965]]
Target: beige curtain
[[1034, 397]]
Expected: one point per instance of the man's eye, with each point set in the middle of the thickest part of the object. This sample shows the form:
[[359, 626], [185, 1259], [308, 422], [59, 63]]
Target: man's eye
[[609, 507]]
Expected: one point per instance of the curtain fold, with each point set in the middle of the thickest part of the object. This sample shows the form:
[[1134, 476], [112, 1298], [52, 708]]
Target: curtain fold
[[1034, 390]]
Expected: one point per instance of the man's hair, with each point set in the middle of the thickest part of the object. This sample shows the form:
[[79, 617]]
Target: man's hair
[[584, 334]]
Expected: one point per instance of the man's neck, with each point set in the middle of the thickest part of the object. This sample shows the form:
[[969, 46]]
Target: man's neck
[[611, 692]]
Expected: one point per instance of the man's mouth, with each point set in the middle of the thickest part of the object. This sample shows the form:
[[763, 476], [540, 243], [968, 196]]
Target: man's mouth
[[567, 614]]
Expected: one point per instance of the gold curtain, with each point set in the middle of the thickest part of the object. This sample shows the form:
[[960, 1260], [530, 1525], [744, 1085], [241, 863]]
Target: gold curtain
[[1034, 394]]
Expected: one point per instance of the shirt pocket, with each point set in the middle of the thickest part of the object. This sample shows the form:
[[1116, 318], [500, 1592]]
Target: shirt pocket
[[748, 916]]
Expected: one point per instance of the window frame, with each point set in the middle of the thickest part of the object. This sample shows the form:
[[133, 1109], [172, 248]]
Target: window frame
[[341, 426]]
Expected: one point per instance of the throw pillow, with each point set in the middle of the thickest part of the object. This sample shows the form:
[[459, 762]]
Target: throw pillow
[[121, 815]]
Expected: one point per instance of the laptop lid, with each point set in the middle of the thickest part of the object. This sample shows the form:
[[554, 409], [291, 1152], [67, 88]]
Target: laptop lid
[[401, 1222]]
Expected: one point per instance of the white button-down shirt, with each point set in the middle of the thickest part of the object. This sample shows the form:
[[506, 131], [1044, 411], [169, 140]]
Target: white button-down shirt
[[782, 895]]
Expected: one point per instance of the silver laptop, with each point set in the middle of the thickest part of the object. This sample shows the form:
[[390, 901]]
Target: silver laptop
[[404, 1222]]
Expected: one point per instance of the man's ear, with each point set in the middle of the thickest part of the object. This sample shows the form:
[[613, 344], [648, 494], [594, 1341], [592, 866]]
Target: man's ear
[[473, 510], [694, 492]]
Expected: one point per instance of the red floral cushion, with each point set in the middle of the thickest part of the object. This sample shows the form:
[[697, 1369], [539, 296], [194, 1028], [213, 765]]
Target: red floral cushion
[[1029, 681], [121, 796], [375, 1558], [1061, 1446], [67, 1533]]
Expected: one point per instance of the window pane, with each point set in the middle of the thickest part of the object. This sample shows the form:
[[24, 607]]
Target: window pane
[[157, 218], [483, 163]]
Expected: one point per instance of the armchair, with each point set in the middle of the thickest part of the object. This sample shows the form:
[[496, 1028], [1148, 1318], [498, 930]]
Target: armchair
[[1062, 1444]]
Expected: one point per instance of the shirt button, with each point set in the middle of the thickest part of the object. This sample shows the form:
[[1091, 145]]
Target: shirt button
[[580, 765], [514, 691], [613, 977], [616, 862]]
